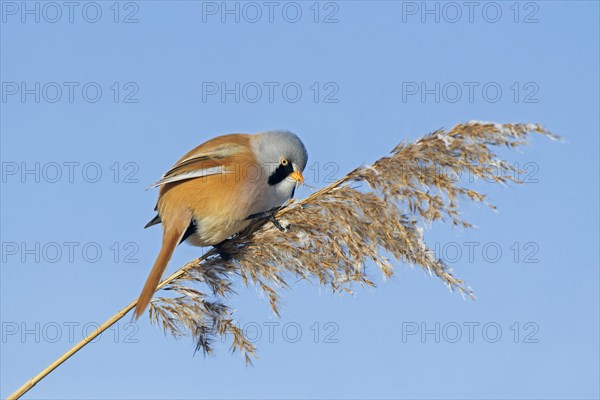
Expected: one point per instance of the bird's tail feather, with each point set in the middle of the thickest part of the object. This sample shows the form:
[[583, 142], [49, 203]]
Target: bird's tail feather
[[171, 238]]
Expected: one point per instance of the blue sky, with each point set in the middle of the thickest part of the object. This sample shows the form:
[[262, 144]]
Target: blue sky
[[93, 112]]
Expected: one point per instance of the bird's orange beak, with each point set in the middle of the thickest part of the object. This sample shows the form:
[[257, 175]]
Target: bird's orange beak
[[297, 176]]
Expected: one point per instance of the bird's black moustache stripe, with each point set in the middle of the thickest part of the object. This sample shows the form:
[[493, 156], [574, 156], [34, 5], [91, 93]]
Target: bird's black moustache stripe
[[280, 173]]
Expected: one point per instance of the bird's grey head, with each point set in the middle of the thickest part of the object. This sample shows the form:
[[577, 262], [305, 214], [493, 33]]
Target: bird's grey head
[[281, 153]]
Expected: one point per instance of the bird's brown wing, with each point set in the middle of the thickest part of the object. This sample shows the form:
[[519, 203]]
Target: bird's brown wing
[[210, 158]]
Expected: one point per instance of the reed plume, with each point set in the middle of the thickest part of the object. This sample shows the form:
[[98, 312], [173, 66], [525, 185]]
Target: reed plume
[[372, 213]]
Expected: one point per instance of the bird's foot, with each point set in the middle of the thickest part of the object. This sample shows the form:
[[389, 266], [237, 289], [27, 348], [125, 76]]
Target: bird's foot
[[223, 253], [270, 215], [276, 223]]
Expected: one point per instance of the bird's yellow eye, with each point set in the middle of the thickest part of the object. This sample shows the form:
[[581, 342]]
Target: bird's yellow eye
[[284, 162]]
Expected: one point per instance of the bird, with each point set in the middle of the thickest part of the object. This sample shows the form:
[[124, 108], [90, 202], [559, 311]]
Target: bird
[[214, 190]]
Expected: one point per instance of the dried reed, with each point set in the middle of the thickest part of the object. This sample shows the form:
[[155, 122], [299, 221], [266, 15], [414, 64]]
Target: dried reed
[[373, 211]]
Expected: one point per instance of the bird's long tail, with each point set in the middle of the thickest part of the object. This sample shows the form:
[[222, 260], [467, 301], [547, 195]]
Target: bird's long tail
[[173, 231]]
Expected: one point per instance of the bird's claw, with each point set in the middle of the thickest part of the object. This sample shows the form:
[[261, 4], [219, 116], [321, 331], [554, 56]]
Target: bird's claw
[[270, 215], [276, 223]]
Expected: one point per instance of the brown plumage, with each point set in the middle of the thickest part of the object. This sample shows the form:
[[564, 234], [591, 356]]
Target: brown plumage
[[208, 195]]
